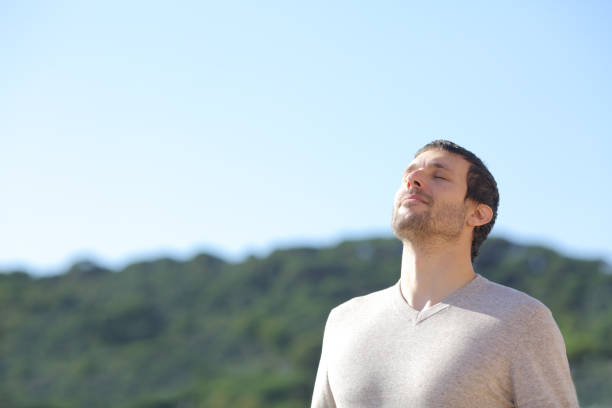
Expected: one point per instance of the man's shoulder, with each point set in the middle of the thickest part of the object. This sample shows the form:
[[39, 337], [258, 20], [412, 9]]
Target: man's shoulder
[[508, 303], [363, 305]]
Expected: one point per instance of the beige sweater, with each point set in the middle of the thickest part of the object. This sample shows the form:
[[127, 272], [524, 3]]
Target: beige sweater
[[485, 345]]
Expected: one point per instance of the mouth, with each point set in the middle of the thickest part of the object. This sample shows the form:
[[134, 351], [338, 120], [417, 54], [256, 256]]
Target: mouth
[[414, 198]]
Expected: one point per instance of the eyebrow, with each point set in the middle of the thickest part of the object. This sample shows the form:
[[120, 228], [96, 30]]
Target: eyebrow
[[434, 164]]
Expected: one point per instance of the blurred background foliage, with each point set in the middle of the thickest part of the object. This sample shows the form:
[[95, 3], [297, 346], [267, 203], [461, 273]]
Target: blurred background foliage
[[208, 333]]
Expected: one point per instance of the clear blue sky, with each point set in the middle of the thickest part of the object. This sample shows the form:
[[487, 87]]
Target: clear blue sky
[[131, 130]]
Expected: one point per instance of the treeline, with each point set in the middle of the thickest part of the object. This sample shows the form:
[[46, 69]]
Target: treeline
[[208, 333]]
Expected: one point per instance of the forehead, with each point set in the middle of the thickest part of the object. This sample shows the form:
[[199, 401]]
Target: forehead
[[440, 159]]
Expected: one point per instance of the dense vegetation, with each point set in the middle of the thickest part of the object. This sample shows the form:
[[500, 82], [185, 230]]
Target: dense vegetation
[[207, 333]]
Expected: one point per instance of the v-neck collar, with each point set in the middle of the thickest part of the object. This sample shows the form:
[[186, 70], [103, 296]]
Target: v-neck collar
[[417, 316]]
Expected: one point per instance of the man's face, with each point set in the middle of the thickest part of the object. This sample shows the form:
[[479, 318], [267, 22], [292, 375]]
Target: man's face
[[430, 203]]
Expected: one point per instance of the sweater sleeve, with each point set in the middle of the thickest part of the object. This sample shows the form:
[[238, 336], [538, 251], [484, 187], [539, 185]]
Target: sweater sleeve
[[322, 396], [540, 369]]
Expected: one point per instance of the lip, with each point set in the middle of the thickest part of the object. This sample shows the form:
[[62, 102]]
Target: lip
[[414, 197]]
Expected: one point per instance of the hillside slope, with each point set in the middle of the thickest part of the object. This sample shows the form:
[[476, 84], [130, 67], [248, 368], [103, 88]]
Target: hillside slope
[[207, 333]]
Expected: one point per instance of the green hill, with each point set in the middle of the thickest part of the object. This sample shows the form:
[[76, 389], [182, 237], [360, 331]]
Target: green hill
[[208, 333]]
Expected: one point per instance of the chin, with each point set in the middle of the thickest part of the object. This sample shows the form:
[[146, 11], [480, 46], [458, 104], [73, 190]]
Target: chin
[[402, 229]]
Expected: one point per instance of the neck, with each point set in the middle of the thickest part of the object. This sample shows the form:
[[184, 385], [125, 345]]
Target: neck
[[431, 273]]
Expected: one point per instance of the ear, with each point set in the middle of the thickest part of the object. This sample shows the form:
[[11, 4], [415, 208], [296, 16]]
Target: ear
[[480, 215]]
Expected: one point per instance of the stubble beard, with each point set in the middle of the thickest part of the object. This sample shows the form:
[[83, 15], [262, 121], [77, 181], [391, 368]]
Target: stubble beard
[[442, 224]]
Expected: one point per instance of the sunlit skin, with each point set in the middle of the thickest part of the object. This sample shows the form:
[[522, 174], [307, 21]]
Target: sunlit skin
[[435, 223]]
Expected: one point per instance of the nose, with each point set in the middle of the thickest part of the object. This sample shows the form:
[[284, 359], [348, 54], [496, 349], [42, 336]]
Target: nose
[[414, 179]]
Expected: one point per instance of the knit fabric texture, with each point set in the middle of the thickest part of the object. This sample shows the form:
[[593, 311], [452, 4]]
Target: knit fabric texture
[[484, 345]]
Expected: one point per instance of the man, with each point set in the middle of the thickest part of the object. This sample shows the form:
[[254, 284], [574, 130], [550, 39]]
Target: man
[[443, 335]]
